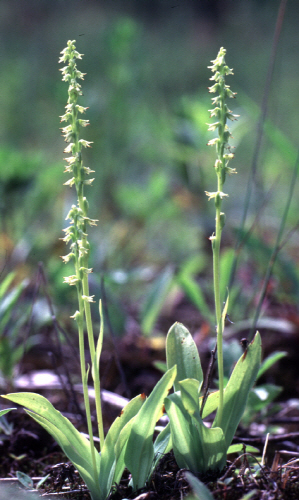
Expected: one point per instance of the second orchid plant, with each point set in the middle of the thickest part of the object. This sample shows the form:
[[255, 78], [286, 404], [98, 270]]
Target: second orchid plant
[[197, 447]]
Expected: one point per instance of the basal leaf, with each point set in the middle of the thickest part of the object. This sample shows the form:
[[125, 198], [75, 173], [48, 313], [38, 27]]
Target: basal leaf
[[190, 395], [184, 441], [196, 447], [82, 463], [237, 389], [211, 404], [162, 445], [139, 453], [40, 405], [111, 463], [181, 350]]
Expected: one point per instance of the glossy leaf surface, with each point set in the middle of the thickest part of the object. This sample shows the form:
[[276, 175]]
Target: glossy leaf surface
[[181, 350], [139, 453]]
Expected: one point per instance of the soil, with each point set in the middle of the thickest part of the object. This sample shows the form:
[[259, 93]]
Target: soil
[[127, 369]]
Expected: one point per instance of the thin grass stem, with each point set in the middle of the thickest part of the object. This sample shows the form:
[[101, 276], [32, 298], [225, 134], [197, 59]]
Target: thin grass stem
[[276, 249]]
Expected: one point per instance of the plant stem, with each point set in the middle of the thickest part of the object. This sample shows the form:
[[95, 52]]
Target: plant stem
[[216, 275], [84, 375], [76, 233], [222, 113]]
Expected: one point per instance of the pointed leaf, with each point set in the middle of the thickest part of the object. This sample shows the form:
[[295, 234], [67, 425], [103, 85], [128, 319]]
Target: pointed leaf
[[184, 440], [199, 488], [82, 463], [4, 285], [139, 453], [162, 445], [120, 450], [3, 412], [43, 407], [211, 404], [224, 313], [181, 350], [24, 479], [74, 445], [111, 463], [190, 395], [95, 369], [269, 361], [237, 389], [195, 446]]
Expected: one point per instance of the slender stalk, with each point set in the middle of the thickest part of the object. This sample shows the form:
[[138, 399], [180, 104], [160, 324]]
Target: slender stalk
[[79, 319], [216, 242], [76, 233], [222, 113], [96, 378]]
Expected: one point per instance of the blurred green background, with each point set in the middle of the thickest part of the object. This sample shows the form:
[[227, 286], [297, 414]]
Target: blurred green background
[[146, 89]]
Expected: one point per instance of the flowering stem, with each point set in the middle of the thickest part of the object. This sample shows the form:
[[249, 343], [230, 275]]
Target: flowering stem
[[222, 113], [76, 233]]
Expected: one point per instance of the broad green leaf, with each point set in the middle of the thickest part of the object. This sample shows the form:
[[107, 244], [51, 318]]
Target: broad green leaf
[[111, 463], [120, 450], [184, 440], [139, 453], [43, 407], [82, 463], [181, 350], [74, 445], [190, 395], [237, 389], [199, 488], [269, 361], [213, 448], [211, 404], [239, 448], [196, 447]]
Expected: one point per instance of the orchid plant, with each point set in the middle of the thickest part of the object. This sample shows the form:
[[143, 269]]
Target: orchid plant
[[196, 446], [129, 441]]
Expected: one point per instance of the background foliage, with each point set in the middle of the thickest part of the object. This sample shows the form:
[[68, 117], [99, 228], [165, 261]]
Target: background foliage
[[146, 87]]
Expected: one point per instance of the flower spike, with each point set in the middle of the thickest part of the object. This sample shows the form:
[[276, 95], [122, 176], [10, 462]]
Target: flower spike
[[222, 115]]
